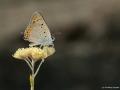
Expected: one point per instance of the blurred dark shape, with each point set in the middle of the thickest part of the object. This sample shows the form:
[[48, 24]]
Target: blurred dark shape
[[114, 28], [22, 33], [77, 32]]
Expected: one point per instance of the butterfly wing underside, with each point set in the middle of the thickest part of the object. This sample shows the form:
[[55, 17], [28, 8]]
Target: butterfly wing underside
[[37, 32]]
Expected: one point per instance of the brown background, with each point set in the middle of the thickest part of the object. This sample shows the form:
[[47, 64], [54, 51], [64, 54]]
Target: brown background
[[87, 44]]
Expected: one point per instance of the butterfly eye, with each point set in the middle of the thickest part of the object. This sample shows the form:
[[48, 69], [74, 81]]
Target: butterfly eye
[[42, 24], [44, 32]]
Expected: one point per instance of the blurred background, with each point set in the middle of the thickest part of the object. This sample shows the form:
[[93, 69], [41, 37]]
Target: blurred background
[[87, 42]]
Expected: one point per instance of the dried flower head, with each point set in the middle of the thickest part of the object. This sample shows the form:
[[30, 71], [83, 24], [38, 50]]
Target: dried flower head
[[35, 53], [49, 50], [31, 55]]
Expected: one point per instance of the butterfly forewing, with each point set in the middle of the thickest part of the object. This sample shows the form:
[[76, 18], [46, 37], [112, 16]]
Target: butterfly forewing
[[38, 31]]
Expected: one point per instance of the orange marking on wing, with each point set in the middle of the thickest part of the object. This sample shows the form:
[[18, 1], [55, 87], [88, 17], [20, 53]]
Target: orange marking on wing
[[27, 33], [35, 18]]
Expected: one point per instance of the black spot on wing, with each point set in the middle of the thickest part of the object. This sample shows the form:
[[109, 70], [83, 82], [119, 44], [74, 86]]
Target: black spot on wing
[[41, 25]]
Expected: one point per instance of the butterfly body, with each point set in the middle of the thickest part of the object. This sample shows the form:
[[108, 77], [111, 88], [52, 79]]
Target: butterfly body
[[37, 32]]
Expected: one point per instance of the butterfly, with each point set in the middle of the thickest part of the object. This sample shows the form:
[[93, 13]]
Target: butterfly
[[37, 32]]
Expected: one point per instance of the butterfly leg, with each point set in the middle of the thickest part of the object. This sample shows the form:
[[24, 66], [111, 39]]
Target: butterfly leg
[[52, 45], [33, 44], [41, 46]]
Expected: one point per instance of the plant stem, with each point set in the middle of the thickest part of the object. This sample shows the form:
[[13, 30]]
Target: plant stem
[[34, 73], [32, 76], [32, 82]]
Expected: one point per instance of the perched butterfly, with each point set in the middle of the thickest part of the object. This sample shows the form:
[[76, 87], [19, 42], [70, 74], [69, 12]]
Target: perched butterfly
[[37, 32]]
